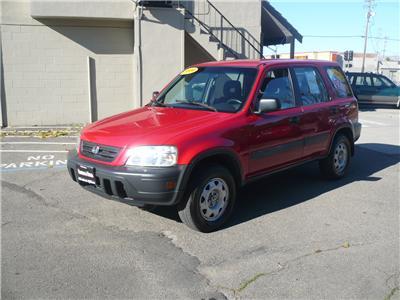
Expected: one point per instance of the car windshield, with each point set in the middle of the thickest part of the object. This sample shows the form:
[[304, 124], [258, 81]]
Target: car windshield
[[223, 89]]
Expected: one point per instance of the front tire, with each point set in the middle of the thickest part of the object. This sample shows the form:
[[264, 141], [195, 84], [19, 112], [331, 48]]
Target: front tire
[[336, 164], [211, 199], [148, 207]]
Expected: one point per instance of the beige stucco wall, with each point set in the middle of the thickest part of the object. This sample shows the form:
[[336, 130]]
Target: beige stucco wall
[[244, 15], [194, 53], [45, 49], [162, 48], [105, 9], [45, 67]]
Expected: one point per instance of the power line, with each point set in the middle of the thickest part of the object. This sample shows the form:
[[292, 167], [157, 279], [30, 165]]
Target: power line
[[383, 38], [351, 36], [333, 36]]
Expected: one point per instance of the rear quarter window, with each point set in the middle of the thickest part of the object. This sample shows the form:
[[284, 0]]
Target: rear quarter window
[[339, 82]]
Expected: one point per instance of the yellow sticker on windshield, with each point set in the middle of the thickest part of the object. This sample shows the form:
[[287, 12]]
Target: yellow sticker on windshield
[[190, 71]]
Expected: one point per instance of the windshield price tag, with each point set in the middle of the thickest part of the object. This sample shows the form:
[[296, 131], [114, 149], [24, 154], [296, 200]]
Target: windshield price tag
[[190, 71]]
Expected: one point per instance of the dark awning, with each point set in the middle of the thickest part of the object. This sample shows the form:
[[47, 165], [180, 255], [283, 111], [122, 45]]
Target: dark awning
[[275, 28]]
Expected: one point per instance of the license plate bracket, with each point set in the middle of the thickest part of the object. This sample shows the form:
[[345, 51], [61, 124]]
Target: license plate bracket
[[86, 174]]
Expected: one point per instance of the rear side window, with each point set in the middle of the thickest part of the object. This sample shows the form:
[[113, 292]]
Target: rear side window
[[311, 87], [381, 81], [377, 81], [339, 82], [363, 81]]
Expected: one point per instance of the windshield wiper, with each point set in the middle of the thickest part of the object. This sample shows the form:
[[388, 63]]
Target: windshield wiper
[[197, 104], [157, 103]]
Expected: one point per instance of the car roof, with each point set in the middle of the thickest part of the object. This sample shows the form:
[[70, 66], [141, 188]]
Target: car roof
[[364, 73], [266, 62]]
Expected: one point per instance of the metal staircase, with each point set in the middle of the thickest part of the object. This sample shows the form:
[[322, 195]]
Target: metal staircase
[[234, 43]]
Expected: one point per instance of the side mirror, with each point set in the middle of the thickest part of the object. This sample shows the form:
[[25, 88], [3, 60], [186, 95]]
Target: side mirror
[[267, 105], [155, 95]]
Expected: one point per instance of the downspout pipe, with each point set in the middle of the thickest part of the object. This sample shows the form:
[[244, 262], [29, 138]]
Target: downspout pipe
[[137, 54]]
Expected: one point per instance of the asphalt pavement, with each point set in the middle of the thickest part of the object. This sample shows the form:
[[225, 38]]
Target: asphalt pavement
[[293, 235]]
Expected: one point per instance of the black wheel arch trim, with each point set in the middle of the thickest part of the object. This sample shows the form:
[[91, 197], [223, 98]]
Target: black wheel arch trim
[[210, 154], [347, 127]]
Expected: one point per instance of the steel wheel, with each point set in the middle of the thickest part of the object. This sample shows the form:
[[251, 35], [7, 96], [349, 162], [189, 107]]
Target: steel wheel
[[211, 199], [335, 165], [340, 157], [214, 199]]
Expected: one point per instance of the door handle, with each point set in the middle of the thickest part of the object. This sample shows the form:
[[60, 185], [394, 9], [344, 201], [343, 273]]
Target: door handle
[[294, 120]]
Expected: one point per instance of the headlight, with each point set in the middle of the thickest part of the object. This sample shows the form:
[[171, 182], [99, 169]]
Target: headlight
[[152, 156]]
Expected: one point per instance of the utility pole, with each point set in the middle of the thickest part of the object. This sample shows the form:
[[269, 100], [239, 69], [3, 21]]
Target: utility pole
[[382, 58], [369, 14], [384, 47]]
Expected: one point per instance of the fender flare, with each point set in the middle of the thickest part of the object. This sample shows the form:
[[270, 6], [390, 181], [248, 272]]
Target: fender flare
[[343, 126], [209, 154]]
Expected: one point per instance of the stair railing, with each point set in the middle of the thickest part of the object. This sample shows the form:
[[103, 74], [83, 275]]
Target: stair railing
[[221, 30]]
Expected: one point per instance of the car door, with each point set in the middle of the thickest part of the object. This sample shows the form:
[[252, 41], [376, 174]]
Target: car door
[[314, 99], [386, 92], [364, 88], [275, 137]]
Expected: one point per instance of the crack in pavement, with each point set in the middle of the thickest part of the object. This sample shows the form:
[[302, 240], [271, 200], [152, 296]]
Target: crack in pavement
[[177, 260], [26, 191], [172, 238], [281, 267], [22, 189], [38, 180]]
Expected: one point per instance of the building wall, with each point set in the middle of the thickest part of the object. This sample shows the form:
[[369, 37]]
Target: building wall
[[371, 62], [319, 55], [46, 46], [162, 49], [46, 70], [391, 69], [194, 53], [246, 16]]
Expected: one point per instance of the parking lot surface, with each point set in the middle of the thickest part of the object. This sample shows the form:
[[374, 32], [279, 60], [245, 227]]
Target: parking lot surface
[[293, 234]]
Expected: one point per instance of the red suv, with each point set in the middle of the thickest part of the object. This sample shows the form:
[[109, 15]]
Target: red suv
[[214, 128]]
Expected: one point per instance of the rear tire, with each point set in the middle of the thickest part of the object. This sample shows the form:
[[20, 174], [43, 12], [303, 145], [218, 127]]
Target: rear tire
[[210, 199], [336, 164]]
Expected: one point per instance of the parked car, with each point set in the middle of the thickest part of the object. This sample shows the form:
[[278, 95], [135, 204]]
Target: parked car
[[374, 89], [216, 127]]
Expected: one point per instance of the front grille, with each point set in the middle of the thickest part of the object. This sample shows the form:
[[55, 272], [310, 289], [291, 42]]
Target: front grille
[[103, 153]]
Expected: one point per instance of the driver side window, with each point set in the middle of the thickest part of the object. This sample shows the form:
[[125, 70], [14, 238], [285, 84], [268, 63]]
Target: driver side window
[[277, 85]]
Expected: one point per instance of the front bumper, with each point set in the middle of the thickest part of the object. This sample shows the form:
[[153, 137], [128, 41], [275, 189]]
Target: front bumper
[[133, 185], [356, 130]]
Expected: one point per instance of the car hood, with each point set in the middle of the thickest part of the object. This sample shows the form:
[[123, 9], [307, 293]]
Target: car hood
[[149, 126]]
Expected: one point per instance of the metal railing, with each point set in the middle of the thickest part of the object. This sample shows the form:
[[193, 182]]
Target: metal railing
[[237, 42]]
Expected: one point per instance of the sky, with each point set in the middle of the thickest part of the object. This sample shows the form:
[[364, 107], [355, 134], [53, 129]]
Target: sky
[[342, 18]]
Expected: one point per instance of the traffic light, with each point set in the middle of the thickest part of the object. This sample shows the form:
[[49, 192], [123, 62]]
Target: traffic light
[[346, 55], [350, 55]]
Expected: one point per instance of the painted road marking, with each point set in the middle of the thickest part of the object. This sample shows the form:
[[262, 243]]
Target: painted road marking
[[40, 127], [34, 162], [372, 122], [35, 136], [36, 143], [34, 151], [31, 169]]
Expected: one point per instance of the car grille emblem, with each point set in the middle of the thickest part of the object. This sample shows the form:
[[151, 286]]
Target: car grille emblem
[[95, 149]]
